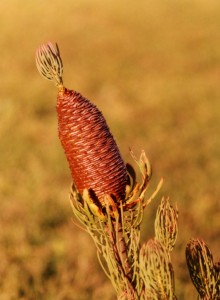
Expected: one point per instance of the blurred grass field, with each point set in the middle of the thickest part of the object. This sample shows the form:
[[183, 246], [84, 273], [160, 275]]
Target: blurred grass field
[[153, 68]]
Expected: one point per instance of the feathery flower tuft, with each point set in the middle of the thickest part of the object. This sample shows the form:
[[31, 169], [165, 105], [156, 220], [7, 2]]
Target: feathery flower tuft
[[94, 158]]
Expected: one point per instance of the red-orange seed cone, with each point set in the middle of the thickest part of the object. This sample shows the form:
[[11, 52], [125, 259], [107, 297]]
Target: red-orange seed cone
[[91, 150], [94, 158]]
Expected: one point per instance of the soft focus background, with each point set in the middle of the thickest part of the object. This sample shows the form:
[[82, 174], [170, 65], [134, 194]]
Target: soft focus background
[[153, 68]]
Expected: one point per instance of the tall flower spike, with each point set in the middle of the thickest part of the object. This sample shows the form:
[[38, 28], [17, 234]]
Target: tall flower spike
[[94, 158]]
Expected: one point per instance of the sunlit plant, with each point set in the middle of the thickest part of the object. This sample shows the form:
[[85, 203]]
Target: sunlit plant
[[109, 202]]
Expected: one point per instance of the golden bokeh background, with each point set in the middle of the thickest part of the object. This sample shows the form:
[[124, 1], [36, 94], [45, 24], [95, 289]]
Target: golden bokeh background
[[153, 69]]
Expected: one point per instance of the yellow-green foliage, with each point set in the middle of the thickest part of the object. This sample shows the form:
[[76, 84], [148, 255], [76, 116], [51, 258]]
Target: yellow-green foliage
[[153, 68]]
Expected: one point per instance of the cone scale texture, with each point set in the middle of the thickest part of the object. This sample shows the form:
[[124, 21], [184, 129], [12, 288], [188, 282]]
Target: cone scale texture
[[94, 158]]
